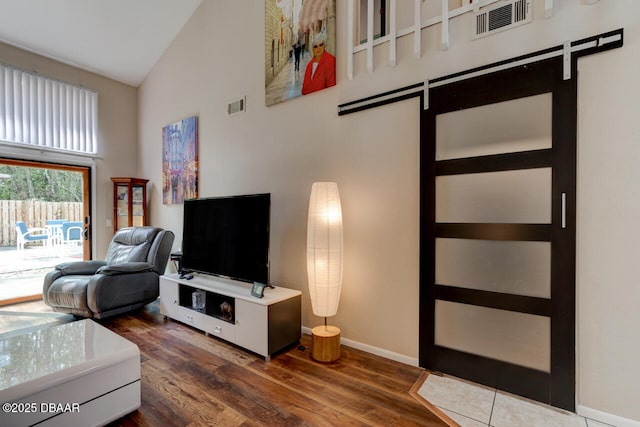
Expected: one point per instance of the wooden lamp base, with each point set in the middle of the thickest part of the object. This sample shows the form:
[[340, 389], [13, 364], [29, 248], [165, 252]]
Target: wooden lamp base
[[325, 344]]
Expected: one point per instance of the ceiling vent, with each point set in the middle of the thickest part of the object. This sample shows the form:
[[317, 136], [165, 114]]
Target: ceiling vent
[[501, 16]]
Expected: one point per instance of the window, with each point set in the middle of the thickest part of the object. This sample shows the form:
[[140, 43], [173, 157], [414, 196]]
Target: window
[[380, 19], [45, 112]]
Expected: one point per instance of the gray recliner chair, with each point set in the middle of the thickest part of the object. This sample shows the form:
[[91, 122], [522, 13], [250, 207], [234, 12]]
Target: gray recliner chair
[[126, 280]]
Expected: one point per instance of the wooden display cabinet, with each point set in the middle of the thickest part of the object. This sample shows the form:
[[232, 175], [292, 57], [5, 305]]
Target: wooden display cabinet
[[129, 202]]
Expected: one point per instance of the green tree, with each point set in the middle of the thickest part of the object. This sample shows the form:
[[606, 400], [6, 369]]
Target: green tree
[[50, 185]]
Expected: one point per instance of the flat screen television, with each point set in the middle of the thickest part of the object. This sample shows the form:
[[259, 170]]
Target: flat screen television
[[228, 236]]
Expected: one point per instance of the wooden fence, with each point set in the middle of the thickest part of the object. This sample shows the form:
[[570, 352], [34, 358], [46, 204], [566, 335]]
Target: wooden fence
[[35, 214]]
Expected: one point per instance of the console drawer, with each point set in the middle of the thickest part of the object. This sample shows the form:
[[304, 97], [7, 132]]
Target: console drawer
[[219, 328]]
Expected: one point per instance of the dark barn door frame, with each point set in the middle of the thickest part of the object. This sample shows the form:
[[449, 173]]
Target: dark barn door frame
[[555, 387], [560, 63]]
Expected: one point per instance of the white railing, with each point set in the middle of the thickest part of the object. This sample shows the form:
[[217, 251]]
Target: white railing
[[419, 23]]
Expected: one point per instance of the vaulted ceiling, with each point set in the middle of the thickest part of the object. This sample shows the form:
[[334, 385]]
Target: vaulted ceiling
[[119, 39]]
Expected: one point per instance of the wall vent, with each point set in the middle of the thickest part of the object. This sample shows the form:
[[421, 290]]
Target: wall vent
[[236, 107], [501, 16]]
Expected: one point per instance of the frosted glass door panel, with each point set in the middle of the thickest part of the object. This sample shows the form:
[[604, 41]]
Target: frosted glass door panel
[[520, 268], [521, 339], [520, 125], [521, 196]]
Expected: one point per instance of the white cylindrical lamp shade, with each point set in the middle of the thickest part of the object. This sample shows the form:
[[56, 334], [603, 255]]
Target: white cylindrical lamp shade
[[324, 248]]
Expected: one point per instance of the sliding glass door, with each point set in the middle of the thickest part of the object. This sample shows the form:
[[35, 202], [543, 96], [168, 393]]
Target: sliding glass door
[[44, 211]]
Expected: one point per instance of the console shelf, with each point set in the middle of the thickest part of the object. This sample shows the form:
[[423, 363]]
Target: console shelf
[[261, 325]]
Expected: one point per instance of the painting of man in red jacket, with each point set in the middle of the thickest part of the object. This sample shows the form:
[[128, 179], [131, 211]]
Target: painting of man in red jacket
[[321, 70]]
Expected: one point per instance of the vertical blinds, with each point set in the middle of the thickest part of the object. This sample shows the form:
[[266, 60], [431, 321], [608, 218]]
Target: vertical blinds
[[44, 112]]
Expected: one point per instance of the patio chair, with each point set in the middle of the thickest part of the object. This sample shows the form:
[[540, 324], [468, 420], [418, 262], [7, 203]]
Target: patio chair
[[126, 280], [71, 232], [30, 235]]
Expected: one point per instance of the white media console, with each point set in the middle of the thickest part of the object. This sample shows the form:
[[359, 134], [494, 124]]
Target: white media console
[[262, 325]]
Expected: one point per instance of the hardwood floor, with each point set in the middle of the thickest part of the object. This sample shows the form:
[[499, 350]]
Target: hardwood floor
[[189, 379]]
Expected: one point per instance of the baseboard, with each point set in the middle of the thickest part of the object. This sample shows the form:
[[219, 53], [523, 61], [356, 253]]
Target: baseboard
[[605, 417], [373, 350]]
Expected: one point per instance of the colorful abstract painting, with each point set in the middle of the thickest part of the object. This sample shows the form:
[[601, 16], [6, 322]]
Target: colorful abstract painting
[[180, 161]]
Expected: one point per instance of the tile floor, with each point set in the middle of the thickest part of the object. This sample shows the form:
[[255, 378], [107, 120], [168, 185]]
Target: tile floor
[[473, 405]]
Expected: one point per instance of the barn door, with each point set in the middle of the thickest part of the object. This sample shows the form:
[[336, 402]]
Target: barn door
[[498, 231]]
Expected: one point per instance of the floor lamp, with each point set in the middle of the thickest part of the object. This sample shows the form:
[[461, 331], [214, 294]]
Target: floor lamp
[[324, 266]]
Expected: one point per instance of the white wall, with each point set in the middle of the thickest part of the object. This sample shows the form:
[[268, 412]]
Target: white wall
[[608, 280], [373, 155]]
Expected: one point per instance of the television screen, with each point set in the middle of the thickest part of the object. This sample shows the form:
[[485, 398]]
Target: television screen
[[228, 236]]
